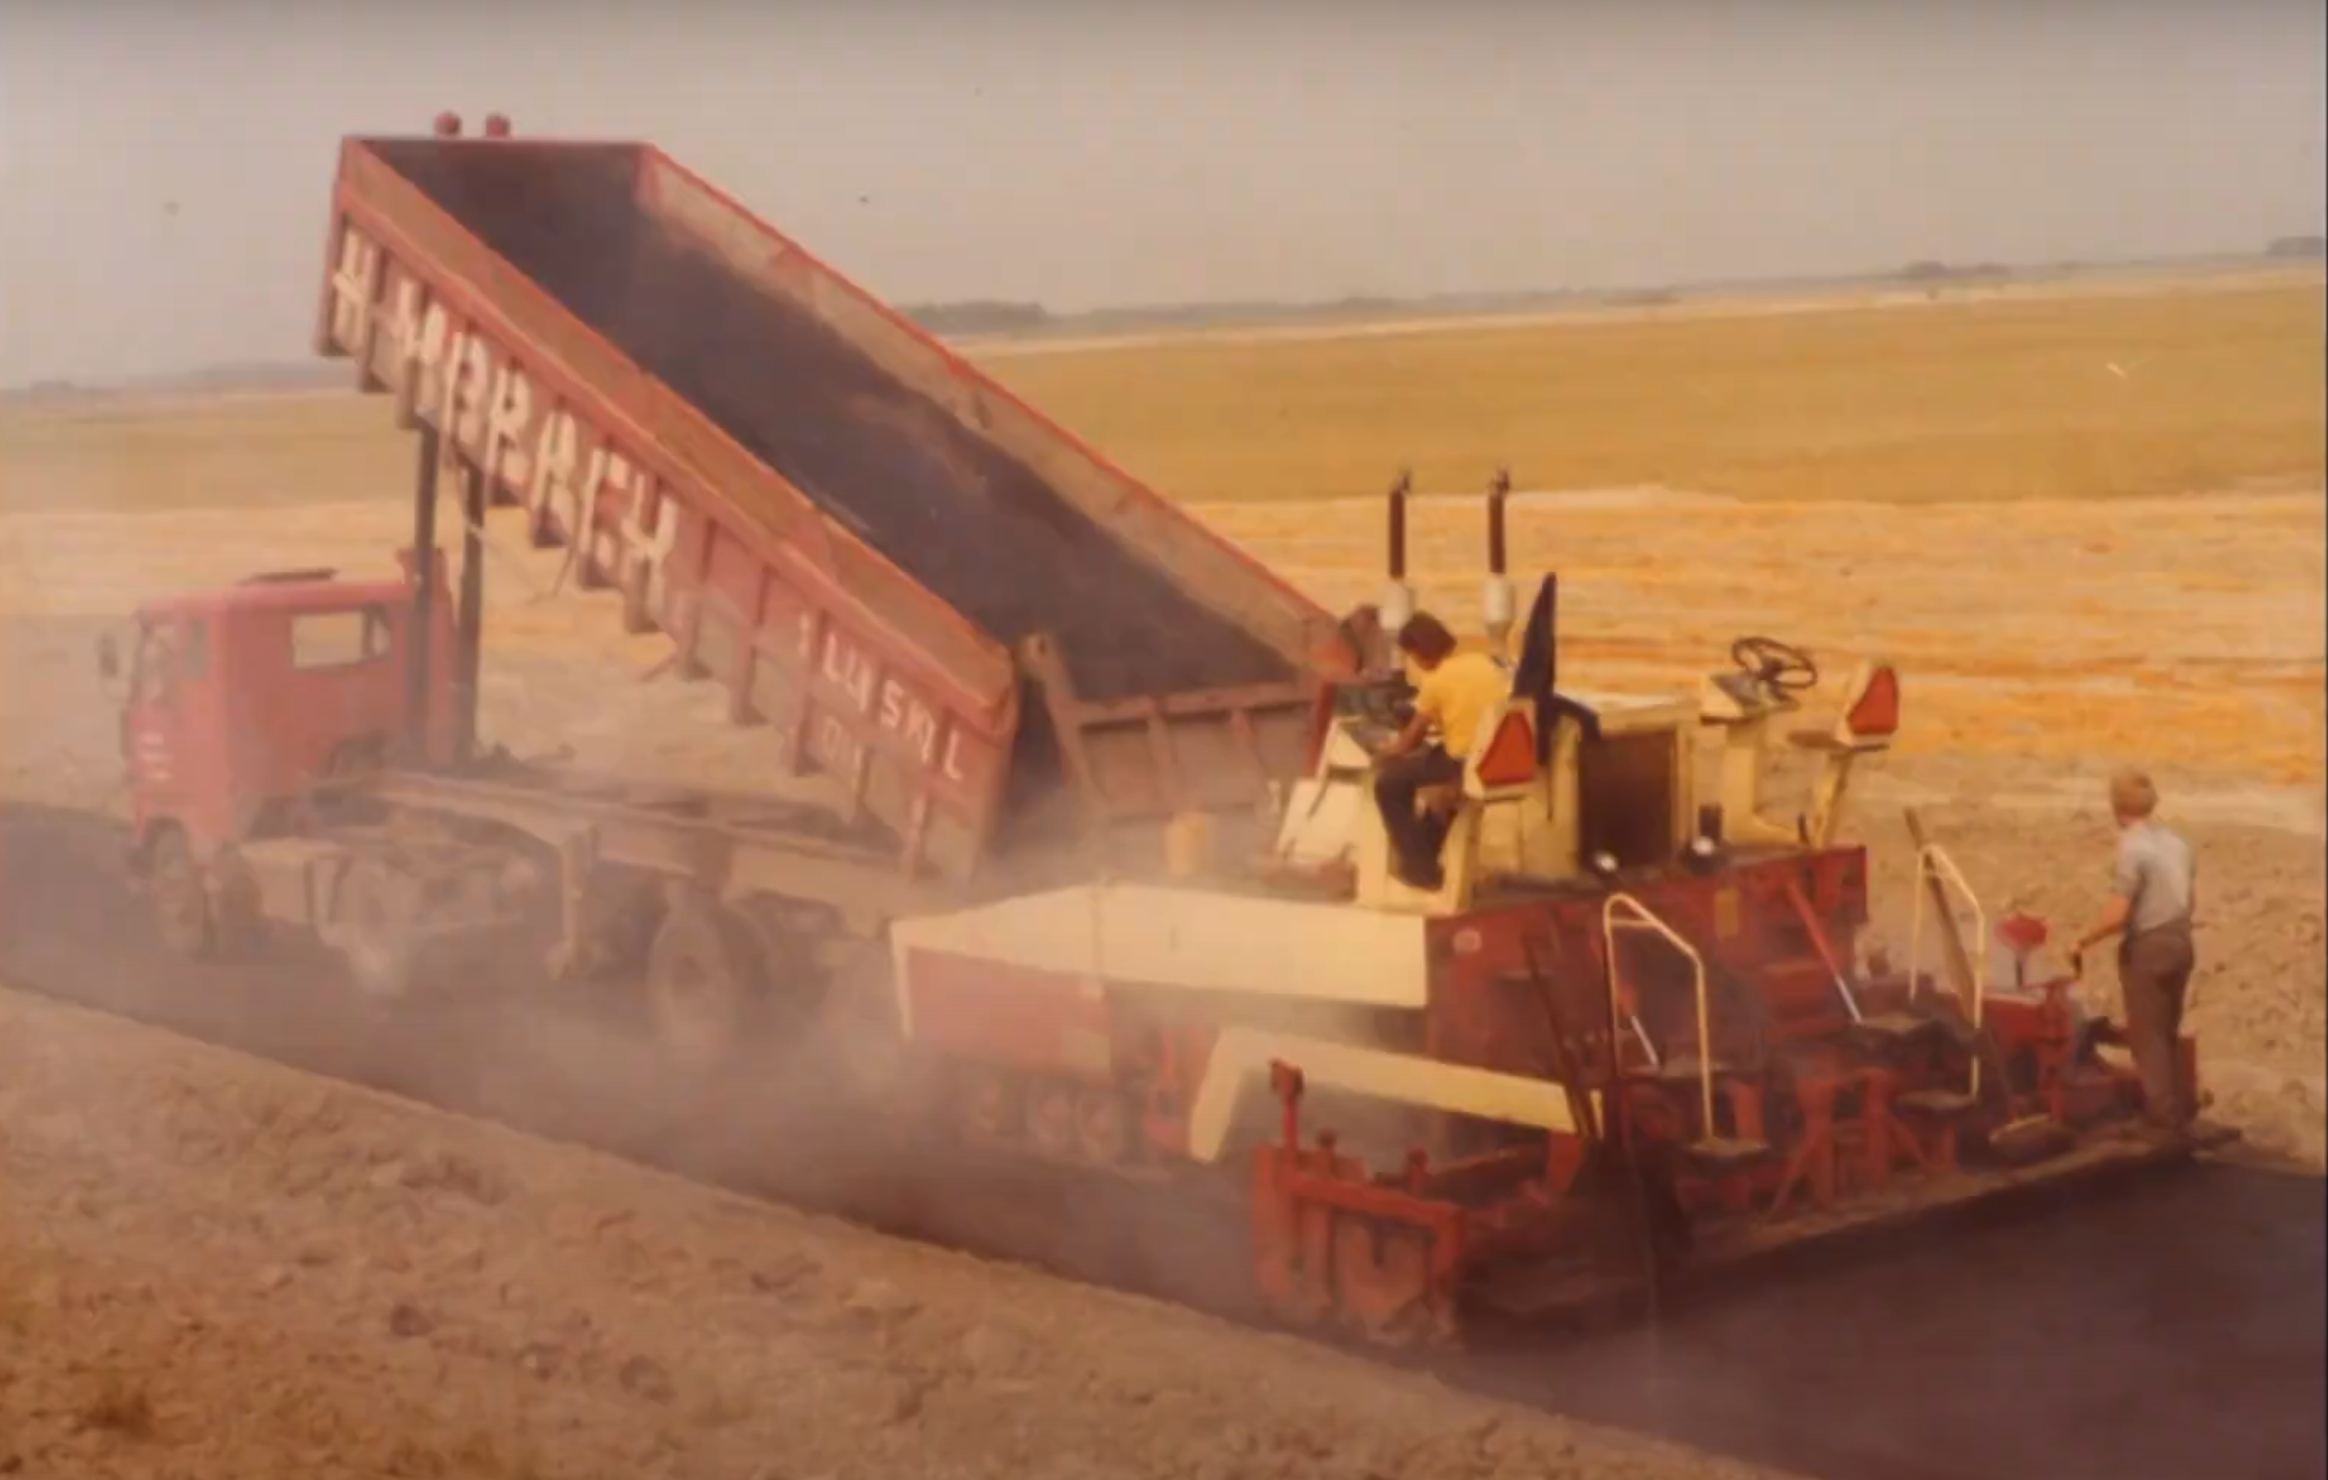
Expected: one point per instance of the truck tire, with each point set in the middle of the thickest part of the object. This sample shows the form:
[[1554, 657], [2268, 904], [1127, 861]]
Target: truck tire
[[238, 919], [624, 934], [378, 907], [181, 900], [790, 982], [701, 982]]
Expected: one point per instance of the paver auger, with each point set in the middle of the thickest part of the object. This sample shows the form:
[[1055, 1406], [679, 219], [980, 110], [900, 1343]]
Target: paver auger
[[1075, 814]]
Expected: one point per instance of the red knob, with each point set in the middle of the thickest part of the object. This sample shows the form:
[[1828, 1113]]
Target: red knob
[[2021, 932]]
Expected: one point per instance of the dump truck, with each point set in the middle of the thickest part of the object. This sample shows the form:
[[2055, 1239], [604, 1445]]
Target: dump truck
[[992, 643], [1093, 850]]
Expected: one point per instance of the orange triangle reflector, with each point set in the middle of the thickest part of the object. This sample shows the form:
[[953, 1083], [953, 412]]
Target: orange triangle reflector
[[1511, 755], [1877, 711]]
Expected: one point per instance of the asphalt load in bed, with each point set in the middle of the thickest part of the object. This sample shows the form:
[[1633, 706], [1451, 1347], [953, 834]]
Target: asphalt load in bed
[[975, 526]]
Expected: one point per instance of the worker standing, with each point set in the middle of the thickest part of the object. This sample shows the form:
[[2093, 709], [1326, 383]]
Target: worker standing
[[1455, 692], [2153, 888]]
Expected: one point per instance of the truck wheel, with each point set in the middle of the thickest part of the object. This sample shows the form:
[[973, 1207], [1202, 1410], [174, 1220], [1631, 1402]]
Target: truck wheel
[[987, 1106], [699, 982], [790, 981], [1103, 1125], [238, 920], [377, 910], [1052, 1113], [181, 902]]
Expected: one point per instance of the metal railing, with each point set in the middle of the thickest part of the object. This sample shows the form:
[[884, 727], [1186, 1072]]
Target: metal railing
[[1934, 864], [1639, 917]]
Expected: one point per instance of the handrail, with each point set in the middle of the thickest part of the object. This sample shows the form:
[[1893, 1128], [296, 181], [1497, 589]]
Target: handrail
[[1824, 949], [1644, 919], [1934, 863]]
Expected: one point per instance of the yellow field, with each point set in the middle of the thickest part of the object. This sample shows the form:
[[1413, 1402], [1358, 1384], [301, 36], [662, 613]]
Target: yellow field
[[2007, 399]]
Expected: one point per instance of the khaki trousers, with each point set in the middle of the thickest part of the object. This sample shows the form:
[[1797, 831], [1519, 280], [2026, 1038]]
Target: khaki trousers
[[2154, 970]]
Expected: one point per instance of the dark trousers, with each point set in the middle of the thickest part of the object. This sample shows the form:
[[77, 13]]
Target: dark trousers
[[1414, 840], [2154, 969]]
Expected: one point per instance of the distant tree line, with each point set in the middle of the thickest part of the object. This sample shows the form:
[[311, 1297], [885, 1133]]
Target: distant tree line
[[979, 316], [1929, 272], [2298, 246]]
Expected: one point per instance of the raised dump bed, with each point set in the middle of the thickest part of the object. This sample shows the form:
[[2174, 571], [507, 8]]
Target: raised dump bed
[[888, 558]]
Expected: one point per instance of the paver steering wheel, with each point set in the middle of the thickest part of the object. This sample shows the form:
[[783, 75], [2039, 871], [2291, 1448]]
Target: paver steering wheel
[[1767, 660]]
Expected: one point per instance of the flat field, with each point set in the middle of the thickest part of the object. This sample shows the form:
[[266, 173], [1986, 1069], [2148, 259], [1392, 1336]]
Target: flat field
[[2088, 527], [2183, 388]]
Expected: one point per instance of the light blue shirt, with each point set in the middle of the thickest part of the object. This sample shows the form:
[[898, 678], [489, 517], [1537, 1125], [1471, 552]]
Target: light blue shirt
[[2155, 873]]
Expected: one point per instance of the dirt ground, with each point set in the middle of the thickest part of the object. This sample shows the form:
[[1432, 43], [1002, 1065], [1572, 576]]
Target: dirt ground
[[218, 1267], [211, 1267]]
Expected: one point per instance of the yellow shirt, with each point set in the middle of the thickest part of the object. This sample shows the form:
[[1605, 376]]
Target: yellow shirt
[[1458, 694]]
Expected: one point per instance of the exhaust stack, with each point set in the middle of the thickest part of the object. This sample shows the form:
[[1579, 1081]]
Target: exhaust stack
[[1398, 598], [1496, 599]]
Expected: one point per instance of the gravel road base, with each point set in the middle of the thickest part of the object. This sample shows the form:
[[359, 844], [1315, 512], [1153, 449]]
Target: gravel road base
[[213, 1266]]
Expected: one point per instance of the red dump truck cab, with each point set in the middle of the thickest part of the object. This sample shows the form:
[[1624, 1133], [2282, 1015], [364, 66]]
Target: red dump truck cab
[[242, 699]]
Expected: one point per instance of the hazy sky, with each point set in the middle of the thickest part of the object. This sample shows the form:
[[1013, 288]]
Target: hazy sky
[[167, 164]]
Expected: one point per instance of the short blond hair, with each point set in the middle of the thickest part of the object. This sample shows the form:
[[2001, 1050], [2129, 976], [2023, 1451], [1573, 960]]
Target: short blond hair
[[2132, 794]]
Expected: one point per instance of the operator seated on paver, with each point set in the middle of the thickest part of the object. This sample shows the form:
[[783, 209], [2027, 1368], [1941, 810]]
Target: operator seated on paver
[[1454, 693]]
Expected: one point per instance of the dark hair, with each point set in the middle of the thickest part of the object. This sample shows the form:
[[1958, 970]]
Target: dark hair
[[1426, 637]]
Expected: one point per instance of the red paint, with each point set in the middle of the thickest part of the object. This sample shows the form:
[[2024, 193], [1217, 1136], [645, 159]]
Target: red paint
[[2021, 933], [1876, 715], [1387, 1251], [1005, 1015], [214, 743], [1487, 1012], [591, 475], [652, 493], [1511, 754]]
